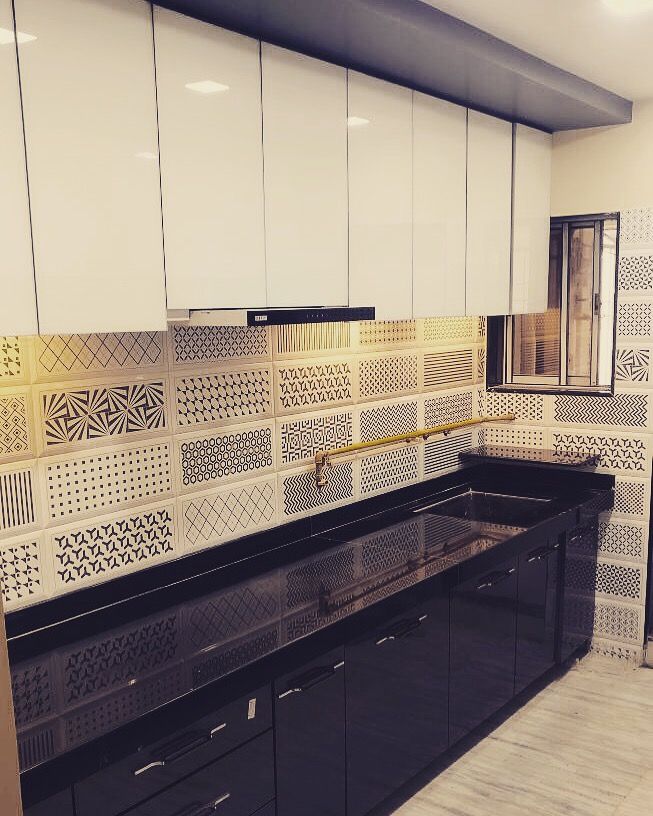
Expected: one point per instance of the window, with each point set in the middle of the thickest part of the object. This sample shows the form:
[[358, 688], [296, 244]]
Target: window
[[571, 345]]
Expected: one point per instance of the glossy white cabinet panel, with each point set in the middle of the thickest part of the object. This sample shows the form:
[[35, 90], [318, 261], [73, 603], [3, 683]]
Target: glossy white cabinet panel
[[531, 220], [17, 301], [209, 96], [489, 207], [92, 158], [439, 206], [380, 197], [305, 151]]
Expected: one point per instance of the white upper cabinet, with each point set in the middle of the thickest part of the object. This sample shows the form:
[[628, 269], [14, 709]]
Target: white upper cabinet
[[439, 206], [531, 220], [17, 301], [305, 149], [209, 96], [489, 210], [380, 197], [92, 157]]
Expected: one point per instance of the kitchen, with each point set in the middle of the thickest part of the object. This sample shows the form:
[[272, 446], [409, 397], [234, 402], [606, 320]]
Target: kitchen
[[324, 405]]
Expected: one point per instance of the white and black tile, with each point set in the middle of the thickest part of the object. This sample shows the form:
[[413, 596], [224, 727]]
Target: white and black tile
[[225, 455], [202, 345], [481, 356], [446, 369], [223, 397], [107, 479], [511, 436], [220, 515], [622, 581], [623, 454], [387, 333], [58, 356], [525, 407], [387, 419], [622, 540], [301, 438], [310, 385], [443, 454], [635, 319], [310, 339], [22, 571], [631, 497], [449, 330], [607, 619], [446, 408], [300, 495], [18, 499], [636, 228], [389, 470], [12, 361], [632, 365], [15, 432], [388, 375], [33, 692], [630, 410], [99, 413], [109, 546], [636, 273]]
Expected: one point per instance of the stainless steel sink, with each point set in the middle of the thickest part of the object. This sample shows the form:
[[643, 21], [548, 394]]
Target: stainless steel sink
[[494, 508]]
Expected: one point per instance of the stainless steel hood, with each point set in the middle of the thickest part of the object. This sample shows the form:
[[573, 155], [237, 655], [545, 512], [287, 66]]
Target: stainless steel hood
[[270, 317]]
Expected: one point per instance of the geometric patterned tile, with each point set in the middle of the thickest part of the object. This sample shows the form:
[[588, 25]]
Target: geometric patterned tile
[[224, 396], [632, 365], [511, 436], [14, 425], [636, 227], [58, 355], [21, 571], [224, 514], [308, 339], [387, 333], [388, 375], [636, 273], [388, 419], [631, 497], [623, 540], [448, 368], [306, 385], [225, 455], [211, 344], [525, 407], [11, 360], [301, 439], [635, 320], [18, 496], [101, 412], [100, 549], [444, 453], [301, 495], [622, 410], [448, 408], [449, 330], [33, 692], [389, 470], [107, 479], [623, 454]]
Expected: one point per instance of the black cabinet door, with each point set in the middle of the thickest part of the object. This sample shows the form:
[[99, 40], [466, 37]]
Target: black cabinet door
[[309, 711], [397, 700], [578, 588], [536, 612], [59, 805], [483, 630]]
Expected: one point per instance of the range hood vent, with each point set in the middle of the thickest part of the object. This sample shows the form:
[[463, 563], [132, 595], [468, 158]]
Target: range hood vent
[[270, 317]]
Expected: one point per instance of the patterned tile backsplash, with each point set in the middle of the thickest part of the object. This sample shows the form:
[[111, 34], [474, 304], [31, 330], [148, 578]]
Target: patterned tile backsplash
[[118, 451]]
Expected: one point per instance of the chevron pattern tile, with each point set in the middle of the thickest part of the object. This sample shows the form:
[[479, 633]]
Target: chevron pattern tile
[[621, 410]]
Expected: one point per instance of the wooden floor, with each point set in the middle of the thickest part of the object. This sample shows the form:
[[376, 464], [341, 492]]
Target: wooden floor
[[582, 747]]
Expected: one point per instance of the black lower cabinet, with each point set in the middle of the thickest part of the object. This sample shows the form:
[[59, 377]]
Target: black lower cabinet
[[309, 718], [59, 805], [578, 588], [537, 613], [397, 685], [483, 632]]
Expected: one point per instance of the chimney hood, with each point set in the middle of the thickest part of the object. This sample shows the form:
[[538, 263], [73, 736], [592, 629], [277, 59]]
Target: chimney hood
[[270, 317]]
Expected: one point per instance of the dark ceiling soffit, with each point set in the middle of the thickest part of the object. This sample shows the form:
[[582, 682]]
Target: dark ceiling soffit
[[413, 44]]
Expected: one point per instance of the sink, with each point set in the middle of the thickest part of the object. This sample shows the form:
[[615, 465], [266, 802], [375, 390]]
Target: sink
[[494, 508]]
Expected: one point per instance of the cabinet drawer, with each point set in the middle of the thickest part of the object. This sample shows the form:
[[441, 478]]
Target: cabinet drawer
[[157, 765], [239, 784]]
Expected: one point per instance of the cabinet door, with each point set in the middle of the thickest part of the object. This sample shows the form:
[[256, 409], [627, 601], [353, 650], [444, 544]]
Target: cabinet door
[[92, 158], [531, 220], [380, 197], [59, 805], [18, 302], [536, 613], [483, 621], [310, 738], [439, 206], [209, 97], [397, 694], [305, 150], [489, 214], [578, 588]]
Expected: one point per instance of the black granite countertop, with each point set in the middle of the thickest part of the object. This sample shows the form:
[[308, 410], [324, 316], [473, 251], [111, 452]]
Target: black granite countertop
[[506, 453], [70, 691]]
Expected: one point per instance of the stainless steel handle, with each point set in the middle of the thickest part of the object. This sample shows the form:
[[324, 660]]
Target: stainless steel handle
[[541, 553], [203, 810], [181, 751], [402, 629], [494, 578], [310, 679]]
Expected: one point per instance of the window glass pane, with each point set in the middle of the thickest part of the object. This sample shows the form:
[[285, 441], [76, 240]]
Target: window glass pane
[[607, 289], [536, 337], [580, 307]]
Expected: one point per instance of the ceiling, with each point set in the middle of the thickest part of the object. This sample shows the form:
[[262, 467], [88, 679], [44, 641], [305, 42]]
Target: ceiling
[[584, 37]]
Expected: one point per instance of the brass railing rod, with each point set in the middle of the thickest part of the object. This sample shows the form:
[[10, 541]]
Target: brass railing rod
[[323, 457]]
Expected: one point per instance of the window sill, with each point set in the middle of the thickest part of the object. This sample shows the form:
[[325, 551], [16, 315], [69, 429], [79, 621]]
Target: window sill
[[548, 389]]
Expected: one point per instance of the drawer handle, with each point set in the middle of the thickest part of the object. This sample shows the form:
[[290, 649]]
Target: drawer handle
[[541, 553], [402, 629], [180, 751], [494, 578], [203, 810], [306, 681]]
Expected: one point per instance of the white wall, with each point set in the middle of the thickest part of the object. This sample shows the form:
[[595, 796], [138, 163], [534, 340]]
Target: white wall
[[604, 169]]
